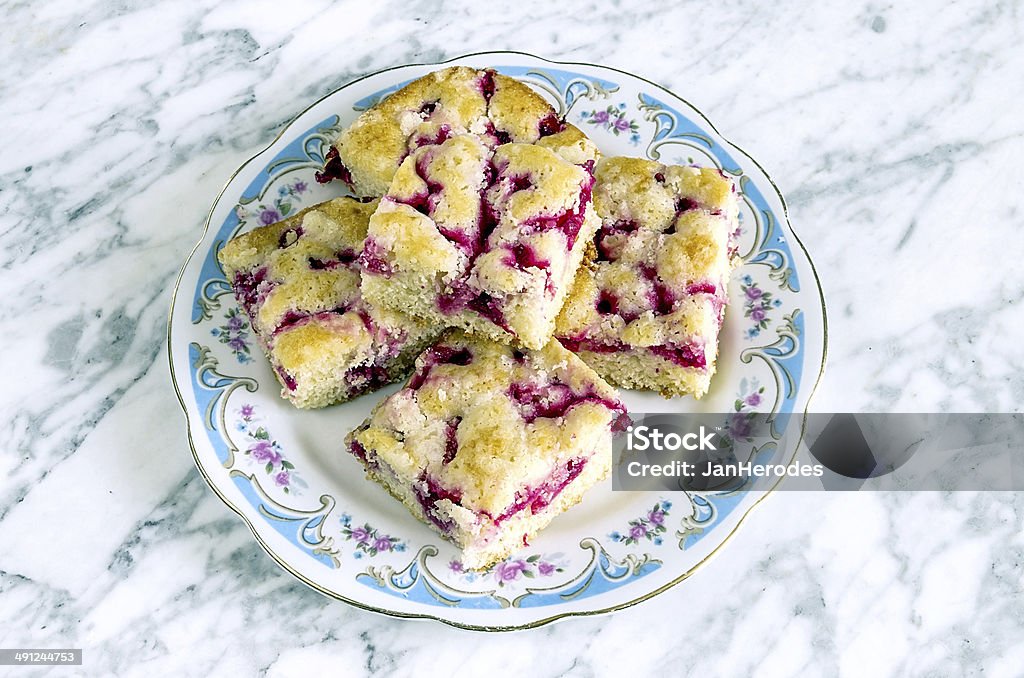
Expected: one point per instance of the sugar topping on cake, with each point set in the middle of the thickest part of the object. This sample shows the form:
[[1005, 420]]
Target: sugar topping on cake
[[646, 313], [298, 281], [432, 109], [487, 443], [483, 239]]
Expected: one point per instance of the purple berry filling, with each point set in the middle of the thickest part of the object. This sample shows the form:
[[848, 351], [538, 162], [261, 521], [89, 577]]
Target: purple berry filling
[[467, 242], [500, 137], [428, 108], [366, 378], [488, 219], [454, 356], [451, 443], [684, 356], [488, 307], [487, 84], [251, 288], [461, 295], [341, 258], [333, 169], [358, 451], [373, 260], [536, 499], [438, 355], [659, 177], [295, 318], [604, 250], [290, 318], [687, 355], [577, 344], [424, 203], [520, 182], [289, 237], [440, 136], [320, 264], [661, 298], [430, 495], [550, 124], [287, 379], [607, 303], [522, 256], [568, 222], [686, 204], [702, 288], [553, 400], [418, 201]]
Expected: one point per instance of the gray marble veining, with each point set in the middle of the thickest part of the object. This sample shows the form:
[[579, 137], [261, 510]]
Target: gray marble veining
[[894, 132]]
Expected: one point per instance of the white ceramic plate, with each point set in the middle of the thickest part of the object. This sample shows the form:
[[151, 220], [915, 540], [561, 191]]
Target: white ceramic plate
[[285, 473]]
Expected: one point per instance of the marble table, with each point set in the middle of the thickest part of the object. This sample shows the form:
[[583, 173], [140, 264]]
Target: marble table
[[892, 131]]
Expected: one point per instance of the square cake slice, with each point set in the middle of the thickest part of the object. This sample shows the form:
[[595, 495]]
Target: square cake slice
[[429, 110], [488, 443], [647, 312], [481, 239], [298, 281]]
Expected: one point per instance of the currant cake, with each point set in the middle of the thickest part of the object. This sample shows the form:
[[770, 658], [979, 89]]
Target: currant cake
[[488, 240], [647, 311], [427, 111], [487, 443], [298, 281]]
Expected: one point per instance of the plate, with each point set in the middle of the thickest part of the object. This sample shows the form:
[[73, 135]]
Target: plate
[[284, 471]]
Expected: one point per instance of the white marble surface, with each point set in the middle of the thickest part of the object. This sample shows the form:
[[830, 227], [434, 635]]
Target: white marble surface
[[892, 130]]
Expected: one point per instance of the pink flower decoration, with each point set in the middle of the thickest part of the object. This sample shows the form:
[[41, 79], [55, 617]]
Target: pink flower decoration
[[510, 571], [264, 451], [268, 217]]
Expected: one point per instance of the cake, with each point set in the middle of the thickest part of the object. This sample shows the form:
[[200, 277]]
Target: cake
[[487, 240], [427, 111], [487, 443], [298, 281], [646, 312]]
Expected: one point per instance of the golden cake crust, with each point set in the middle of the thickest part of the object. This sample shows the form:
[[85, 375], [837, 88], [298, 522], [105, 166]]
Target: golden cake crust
[[646, 313], [481, 423], [437, 106], [298, 281], [484, 239]]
